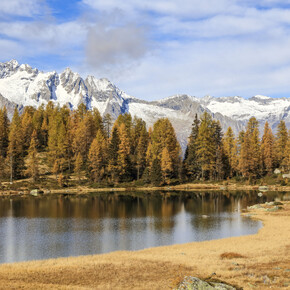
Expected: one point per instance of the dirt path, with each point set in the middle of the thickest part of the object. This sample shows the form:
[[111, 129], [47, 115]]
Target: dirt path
[[264, 262]]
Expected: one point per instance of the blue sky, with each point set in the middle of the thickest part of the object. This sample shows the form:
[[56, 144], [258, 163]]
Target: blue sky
[[156, 48]]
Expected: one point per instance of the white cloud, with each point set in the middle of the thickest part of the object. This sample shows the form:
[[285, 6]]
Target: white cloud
[[191, 8], [163, 47], [215, 68], [26, 8]]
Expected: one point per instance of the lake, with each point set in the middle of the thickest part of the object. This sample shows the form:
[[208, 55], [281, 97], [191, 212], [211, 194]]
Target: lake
[[45, 227]]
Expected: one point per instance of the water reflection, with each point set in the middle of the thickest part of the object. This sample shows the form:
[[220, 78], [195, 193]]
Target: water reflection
[[53, 226]]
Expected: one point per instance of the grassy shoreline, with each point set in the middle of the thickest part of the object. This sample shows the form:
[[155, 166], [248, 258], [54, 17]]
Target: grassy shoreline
[[50, 186], [259, 261], [181, 187]]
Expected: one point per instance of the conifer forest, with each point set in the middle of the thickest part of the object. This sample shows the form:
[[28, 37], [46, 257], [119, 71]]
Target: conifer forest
[[83, 143]]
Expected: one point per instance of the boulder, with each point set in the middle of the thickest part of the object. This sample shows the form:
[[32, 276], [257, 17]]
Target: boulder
[[193, 283], [36, 192]]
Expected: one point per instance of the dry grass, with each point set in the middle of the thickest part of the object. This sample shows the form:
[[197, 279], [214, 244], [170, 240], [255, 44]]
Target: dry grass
[[266, 265], [231, 255]]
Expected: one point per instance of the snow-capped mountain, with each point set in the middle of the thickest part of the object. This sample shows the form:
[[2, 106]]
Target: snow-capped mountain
[[262, 107], [24, 86]]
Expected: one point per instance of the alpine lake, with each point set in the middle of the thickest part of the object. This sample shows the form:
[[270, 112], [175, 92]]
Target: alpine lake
[[63, 225]]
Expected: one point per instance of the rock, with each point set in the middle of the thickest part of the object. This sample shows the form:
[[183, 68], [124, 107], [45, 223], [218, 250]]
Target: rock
[[277, 203], [204, 216], [193, 283], [36, 192], [277, 171], [260, 194], [275, 208], [255, 206], [263, 188], [286, 175]]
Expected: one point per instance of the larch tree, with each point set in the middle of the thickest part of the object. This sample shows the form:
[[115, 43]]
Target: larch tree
[[15, 154], [32, 158], [84, 136], [286, 160], [27, 126], [281, 142], [97, 157], [124, 165], [166, 165], [78, 166], [230, 149], [163, 135], [250, 162], [268, 149], [113, 149], [140, 152], [206, 148]]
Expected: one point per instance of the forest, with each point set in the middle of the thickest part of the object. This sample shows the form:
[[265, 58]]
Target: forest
[[83, 144]]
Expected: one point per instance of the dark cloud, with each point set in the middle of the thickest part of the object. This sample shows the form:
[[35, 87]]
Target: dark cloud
[[115, 47]]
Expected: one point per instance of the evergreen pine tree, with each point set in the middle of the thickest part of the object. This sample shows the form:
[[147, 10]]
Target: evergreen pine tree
[[107, 123], [155, 174], [4, 132], [190, 164]]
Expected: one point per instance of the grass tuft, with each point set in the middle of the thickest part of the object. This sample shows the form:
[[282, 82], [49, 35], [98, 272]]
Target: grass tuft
[[231, 255]]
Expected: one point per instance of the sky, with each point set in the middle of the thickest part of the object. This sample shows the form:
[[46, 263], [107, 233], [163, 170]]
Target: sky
[[153, 49]]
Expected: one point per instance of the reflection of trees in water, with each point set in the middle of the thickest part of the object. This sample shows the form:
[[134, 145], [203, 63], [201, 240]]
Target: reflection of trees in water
[[161, 206]]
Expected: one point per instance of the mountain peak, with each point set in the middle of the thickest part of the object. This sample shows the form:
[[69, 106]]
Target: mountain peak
[[13, 62]]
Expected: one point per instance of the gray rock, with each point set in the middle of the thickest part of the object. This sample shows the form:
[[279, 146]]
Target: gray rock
[[255, 206], [275, 208], [193, 283]]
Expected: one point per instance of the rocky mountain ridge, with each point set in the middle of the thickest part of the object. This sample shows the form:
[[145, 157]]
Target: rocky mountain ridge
[[23, 85]]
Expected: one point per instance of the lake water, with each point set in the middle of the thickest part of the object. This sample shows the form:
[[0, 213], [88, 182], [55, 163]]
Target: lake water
[[60, 226]]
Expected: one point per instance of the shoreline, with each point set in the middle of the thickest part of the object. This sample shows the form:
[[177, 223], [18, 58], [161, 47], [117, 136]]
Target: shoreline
[[262, 261], [182, 187]]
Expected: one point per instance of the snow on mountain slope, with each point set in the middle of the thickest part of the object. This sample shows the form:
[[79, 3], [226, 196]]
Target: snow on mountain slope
[[242, 109], [22, 85], [262, 107]]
